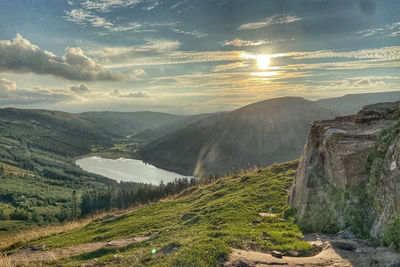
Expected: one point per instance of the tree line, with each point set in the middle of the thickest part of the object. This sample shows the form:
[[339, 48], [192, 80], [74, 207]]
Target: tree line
[[127, 194]]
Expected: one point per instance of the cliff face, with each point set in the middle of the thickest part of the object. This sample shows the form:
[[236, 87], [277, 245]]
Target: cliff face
[[349, 175]]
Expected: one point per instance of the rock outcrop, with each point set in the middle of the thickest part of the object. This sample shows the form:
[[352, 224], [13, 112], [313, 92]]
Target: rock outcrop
[[349, 175]]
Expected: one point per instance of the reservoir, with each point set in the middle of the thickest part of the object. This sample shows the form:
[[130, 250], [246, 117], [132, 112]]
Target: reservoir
[[127, 170]]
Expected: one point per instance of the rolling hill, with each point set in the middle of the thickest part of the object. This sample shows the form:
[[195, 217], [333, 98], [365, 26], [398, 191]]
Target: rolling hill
[[129, 123], [258, 134], [40, 181]]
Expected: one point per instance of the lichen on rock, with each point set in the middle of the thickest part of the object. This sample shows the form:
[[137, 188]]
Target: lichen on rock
[[349, 176]]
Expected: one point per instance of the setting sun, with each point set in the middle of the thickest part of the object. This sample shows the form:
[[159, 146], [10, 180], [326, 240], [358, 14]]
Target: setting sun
[[263, 61]]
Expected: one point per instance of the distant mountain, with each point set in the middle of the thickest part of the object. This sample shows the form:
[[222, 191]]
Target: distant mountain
[[350, 104], [261, 133], [152, 134], [130, 123]]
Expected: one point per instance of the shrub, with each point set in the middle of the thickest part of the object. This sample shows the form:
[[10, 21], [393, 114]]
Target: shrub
[[391, 236]]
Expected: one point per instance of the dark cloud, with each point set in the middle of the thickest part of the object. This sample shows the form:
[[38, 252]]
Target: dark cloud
[[20, 56], [80, 89]]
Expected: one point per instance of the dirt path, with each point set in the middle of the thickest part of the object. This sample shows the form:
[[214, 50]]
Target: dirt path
[[336, 251], [35, 255]]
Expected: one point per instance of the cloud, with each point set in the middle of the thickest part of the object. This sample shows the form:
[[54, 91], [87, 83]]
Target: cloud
[[108, 5], [118, 93], [237, 42], [12, 95], [195, 34], [80, 89], [138, 74], [357, 83], [178, 4], [157, 52], [20, 56], [85, 17], [390, 30], [139, 95], [277, 19], [386, 53], [151, 5], [230, 66], [6, 86], [243, 43]]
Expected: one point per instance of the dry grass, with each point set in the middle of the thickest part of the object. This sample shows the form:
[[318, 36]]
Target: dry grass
[[5, 261], [40, 232]]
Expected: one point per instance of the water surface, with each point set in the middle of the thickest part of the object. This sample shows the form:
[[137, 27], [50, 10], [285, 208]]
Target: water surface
[[127, 170]]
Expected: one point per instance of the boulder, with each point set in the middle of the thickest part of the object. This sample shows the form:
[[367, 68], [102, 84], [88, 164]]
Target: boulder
[[348, 176]]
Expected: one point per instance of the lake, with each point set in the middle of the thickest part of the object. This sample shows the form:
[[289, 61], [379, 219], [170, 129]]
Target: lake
[[127, 170]]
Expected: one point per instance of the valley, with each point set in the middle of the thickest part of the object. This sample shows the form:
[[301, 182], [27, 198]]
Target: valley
[[42, 183]]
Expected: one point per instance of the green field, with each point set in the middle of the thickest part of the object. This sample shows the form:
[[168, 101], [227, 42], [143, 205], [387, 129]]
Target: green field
[[198, 227]]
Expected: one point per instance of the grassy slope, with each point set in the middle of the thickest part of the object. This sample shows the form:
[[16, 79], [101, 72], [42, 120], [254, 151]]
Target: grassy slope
[[198, 226]]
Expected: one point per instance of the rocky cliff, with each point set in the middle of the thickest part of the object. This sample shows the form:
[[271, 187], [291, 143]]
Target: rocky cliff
[[349, 175]]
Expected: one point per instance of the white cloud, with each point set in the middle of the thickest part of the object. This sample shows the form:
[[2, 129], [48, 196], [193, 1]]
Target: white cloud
[[118, 93], [108, 5], [387, 53], [390, 30], [12, 95], [151, 5], [20, 56], [85, 17], [178, 4], [138, 74], [7, 86], [157, 52], [195, 34], [237, 42], [277, 19], [365, 82]]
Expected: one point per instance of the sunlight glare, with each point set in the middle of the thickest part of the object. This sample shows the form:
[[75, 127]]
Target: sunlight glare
[[263, 61]]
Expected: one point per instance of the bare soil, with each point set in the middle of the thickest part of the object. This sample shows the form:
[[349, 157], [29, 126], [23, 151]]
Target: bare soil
[[335, 251]]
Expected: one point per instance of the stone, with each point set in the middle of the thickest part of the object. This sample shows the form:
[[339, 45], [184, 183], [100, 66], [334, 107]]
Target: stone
[[38, 247], [276, 254], [343, 246], [393, 166], [349, 170], [293, 253], [346, 234]]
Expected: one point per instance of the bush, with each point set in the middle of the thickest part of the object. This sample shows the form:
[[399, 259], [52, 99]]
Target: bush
[[20, 214], [289, 213], [391, 237]]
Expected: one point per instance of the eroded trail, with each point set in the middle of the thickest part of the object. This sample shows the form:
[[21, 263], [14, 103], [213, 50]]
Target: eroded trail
[[35, 255], [336, 251]]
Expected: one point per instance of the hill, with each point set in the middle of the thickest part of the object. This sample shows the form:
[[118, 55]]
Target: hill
[[258, 134], [197, 228], [129, 123], [153, 134], [39, 179], [352, 103]]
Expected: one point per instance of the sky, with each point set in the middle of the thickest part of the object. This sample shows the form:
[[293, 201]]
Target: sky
[[193, 56]]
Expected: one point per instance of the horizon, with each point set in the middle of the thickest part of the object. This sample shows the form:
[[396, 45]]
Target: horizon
[[188, 57], [189, 114]]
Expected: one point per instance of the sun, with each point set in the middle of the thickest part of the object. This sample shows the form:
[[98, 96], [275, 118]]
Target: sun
[[263, 61]]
